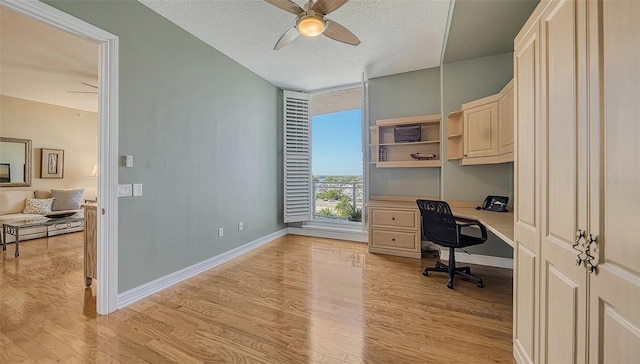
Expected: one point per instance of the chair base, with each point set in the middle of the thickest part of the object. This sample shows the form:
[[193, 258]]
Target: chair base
[[464, 272]]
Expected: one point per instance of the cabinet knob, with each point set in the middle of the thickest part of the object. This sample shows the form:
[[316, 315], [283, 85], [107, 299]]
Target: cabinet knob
[[393, 218], [393, 239]]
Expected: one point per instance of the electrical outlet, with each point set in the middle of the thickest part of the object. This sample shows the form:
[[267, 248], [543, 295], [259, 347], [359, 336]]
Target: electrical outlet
[[220, 232], [240, 226], [137, 189]]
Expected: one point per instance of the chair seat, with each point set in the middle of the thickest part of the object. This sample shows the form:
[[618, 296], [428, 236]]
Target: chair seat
[[468, 240], [464, 241]]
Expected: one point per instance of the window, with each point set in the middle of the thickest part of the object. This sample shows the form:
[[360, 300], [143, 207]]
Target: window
[[331, 123], [337, 190]]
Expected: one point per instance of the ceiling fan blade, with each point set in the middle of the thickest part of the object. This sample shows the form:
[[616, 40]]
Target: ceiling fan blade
[[327, 6], [88, 84], [288, 37], [286, 5], [337, 32]]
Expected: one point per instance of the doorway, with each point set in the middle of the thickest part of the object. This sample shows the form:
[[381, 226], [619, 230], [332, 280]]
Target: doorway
[[107, 221]]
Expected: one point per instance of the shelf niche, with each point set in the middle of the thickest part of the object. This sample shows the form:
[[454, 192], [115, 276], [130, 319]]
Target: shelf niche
[[386, 153]]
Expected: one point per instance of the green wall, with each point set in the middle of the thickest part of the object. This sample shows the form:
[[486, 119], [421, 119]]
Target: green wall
[[466, 81], [206, 138], [405, 94]]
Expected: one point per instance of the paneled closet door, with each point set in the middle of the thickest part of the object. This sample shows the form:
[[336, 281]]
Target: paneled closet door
[[563, 288], [615, 204], [526, 57]]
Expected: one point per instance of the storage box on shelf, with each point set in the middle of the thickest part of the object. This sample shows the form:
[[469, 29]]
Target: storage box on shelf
[[393, 142], [482, 131]]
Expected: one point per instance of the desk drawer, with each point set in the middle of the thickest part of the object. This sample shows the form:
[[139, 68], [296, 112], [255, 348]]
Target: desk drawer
[[396, 240], [395, 218]]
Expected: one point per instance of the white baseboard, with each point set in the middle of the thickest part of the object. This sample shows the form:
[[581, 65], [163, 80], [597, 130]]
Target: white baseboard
[[147, 289], [487, 260], [320, 231]]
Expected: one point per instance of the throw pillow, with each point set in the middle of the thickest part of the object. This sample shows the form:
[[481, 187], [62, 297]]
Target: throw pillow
[[43, 194], [67, 199], [40, 206]]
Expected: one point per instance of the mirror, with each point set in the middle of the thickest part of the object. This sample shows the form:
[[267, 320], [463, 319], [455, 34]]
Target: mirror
[[15, 162]]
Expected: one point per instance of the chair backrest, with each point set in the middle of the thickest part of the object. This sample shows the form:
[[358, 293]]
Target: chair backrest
[[438, 223]]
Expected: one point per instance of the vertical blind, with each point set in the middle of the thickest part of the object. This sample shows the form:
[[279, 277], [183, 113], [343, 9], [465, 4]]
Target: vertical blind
[[297, 157]]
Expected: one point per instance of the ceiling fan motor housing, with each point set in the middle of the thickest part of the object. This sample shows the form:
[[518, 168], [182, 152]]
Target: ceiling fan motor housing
[[310, 24]]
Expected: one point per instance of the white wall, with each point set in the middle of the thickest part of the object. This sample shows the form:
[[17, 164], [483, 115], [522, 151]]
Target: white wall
[[54, 127]]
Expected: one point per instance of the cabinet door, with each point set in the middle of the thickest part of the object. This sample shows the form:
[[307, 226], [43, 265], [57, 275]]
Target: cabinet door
[[563, 199], [505, 123], [481, 131], [615, 204], [526, 201]]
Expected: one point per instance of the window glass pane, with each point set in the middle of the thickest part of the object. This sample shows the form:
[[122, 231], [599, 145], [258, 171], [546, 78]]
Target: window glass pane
[[337, 165]]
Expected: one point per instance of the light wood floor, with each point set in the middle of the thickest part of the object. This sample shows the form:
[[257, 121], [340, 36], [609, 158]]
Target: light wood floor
[[295, 300]]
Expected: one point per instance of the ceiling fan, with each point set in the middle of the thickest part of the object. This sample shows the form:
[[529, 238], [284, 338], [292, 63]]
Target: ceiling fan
[[86, 92], [311, 21]]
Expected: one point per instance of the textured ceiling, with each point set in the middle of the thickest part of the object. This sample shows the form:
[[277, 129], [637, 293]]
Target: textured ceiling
[[396, 36], [482, 28], [41, 63]]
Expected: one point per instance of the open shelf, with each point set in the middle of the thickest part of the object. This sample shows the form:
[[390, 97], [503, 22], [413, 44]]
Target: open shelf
[[411, 163], [411, 143], [387, 153], [455, 144]]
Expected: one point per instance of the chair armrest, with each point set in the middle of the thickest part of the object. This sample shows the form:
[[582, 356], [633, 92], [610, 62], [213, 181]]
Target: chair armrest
[[472, 222], [467, 220]]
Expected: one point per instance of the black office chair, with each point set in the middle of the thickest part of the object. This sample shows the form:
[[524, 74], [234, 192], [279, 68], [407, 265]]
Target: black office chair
[[441, 227]]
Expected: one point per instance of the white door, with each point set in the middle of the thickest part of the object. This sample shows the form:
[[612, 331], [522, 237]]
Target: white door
[[563, 286], [526, 210], [615, 203]]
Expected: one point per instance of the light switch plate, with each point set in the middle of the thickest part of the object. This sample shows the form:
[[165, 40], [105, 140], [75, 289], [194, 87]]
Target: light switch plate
[[137, 189], [128, 161], [124, 190]]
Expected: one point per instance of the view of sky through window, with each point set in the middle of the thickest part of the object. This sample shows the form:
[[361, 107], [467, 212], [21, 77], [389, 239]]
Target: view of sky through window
[[337, 143]]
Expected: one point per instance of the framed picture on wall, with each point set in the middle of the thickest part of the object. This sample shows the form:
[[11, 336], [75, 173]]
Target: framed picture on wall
[[5, 172], [52, 164]]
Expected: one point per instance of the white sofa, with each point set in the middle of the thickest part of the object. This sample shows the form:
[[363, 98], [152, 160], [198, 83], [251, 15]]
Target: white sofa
[[12, 205]]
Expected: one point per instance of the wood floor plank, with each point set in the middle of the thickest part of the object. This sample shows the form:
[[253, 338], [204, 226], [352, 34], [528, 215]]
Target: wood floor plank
[[295, 300]]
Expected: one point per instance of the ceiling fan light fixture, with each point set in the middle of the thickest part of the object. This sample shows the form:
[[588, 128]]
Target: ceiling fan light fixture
[[311, 25]]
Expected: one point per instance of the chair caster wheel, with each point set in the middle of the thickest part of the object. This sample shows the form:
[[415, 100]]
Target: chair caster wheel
[[425, 273], [480, 285], [450, 285]]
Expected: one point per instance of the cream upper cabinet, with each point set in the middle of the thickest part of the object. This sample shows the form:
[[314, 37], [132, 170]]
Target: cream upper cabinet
[[482, 131], [481, 128], [577, 173], [505, 120]]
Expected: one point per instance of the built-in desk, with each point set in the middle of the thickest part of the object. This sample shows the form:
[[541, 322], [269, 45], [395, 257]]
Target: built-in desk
[[395, 228], [499, 223]]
